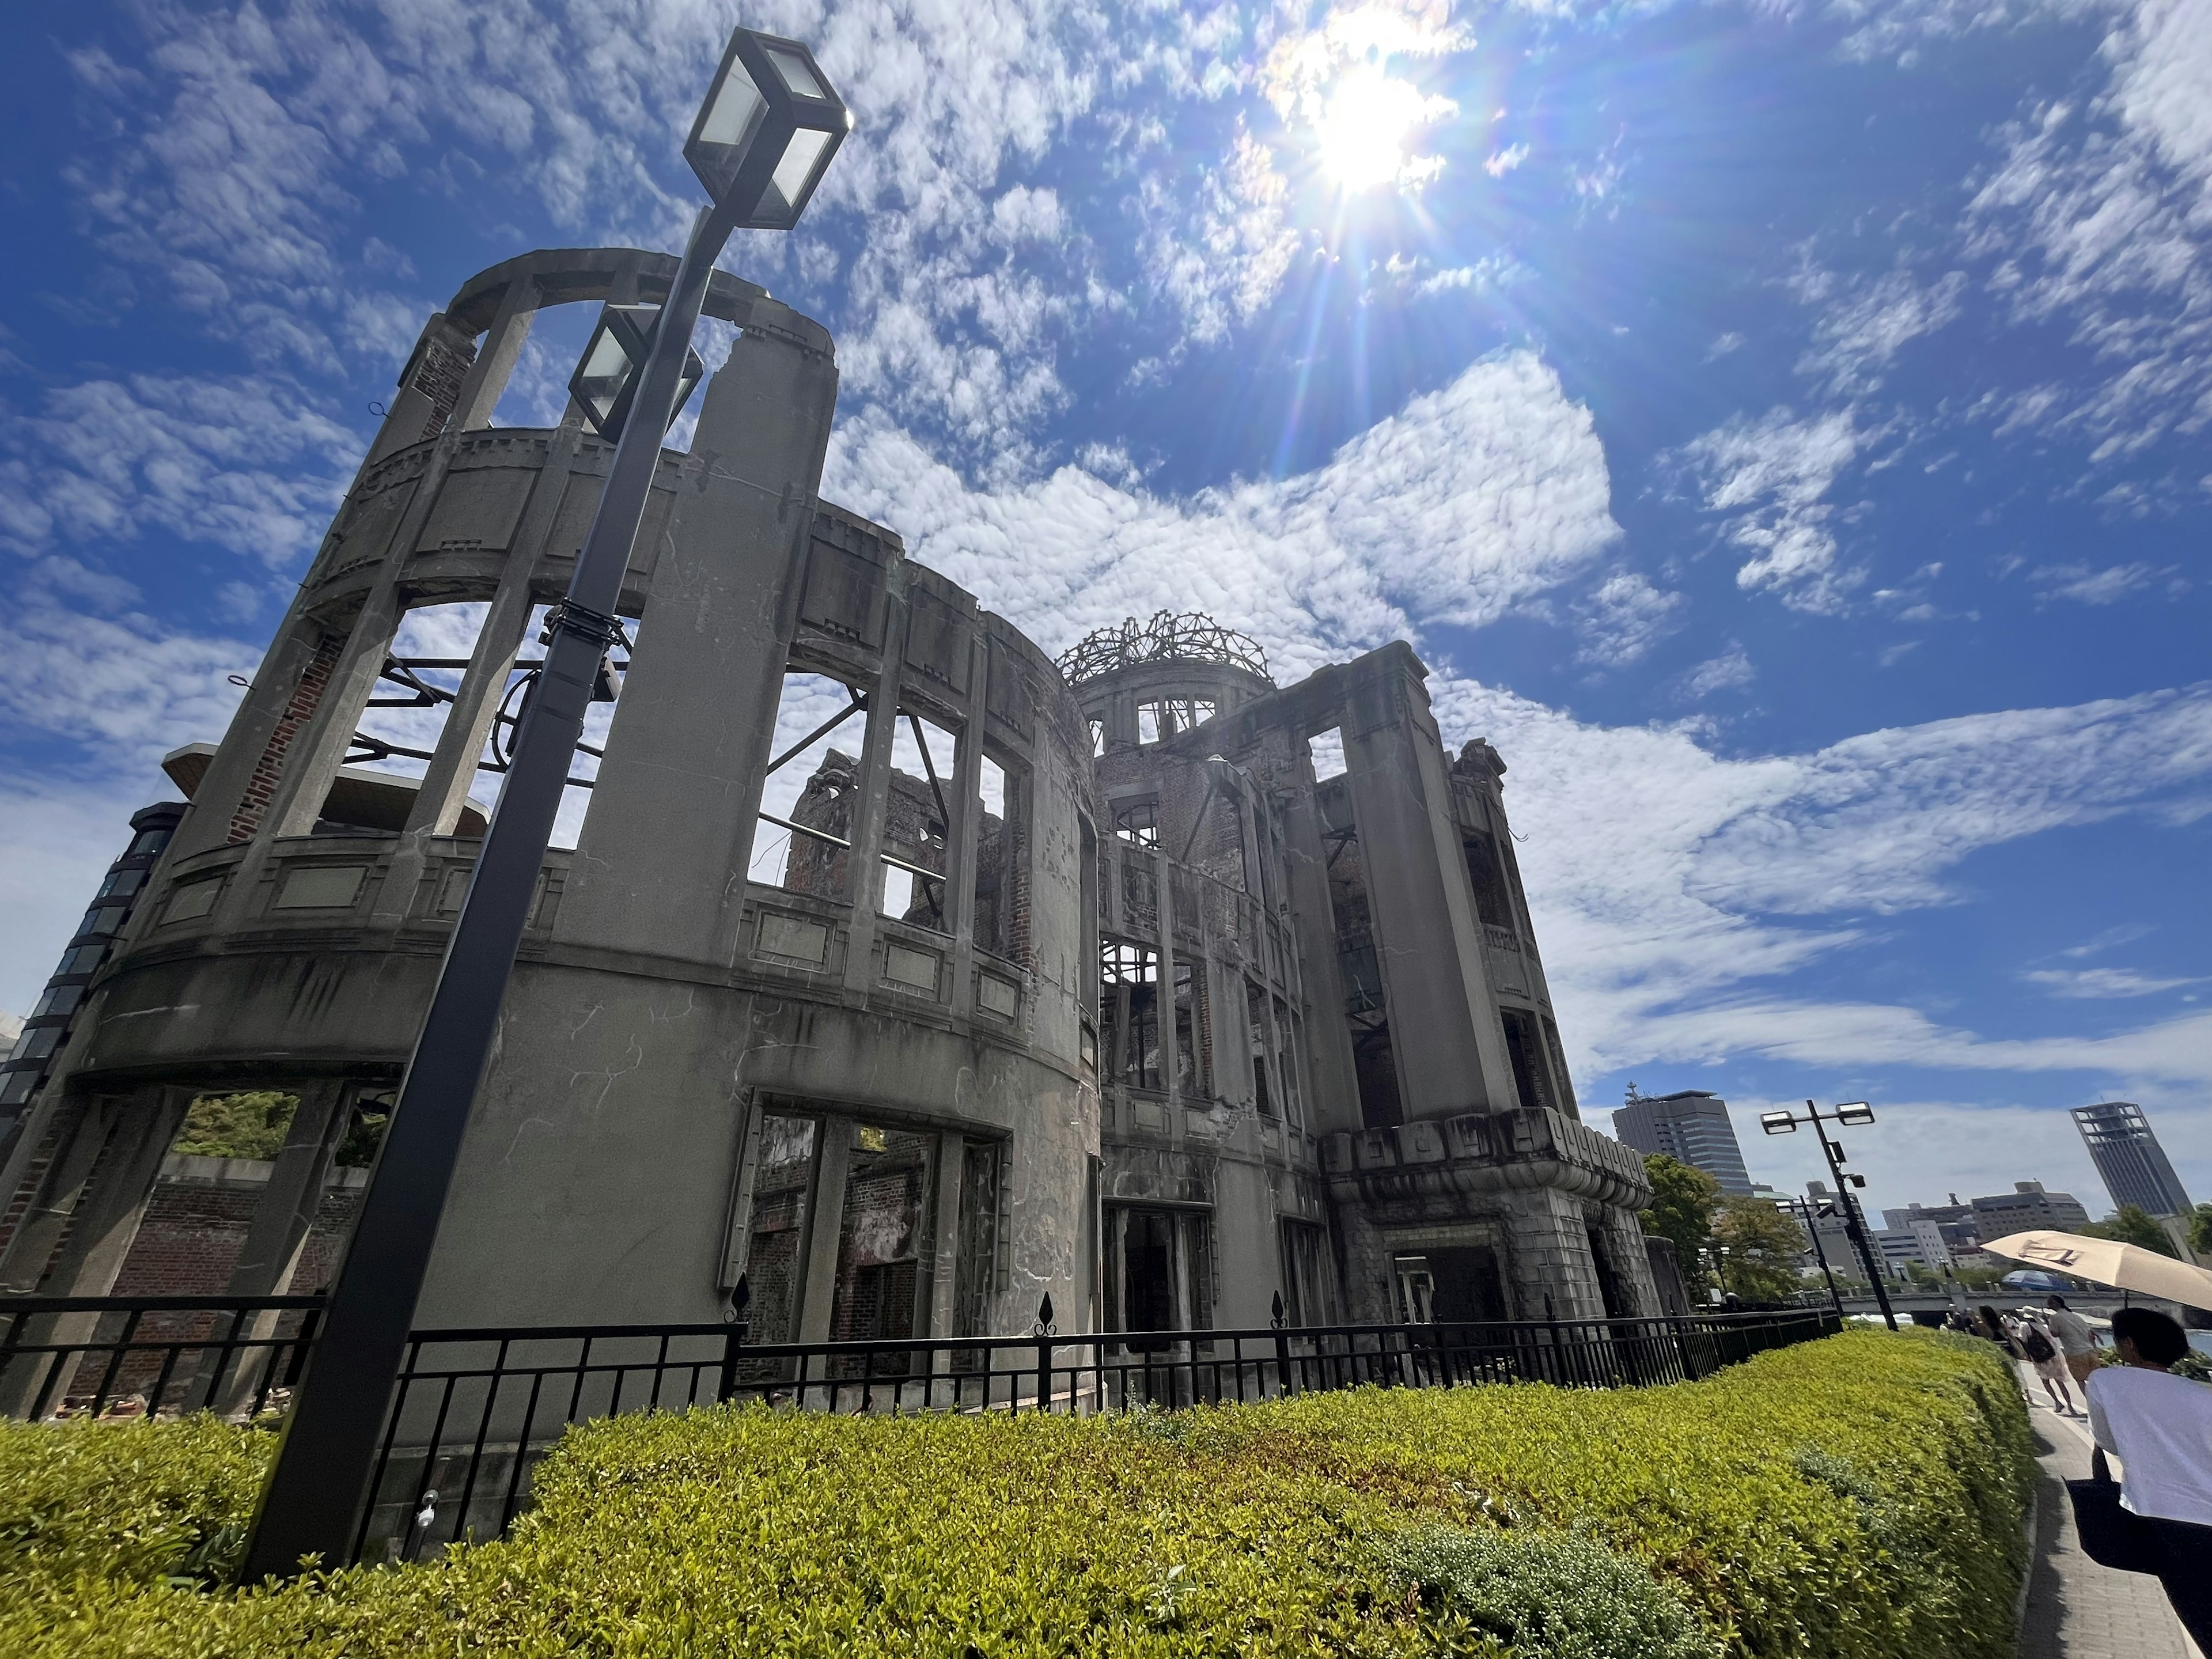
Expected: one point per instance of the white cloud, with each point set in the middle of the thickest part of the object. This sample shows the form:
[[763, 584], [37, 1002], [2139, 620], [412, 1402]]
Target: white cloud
[[1623, 617], [1503, 161], [2090, 585], [2103, 983], [1731, 670], [1468, 501], [1858, 337], [245, 462], [2096, 219], [1771, 478]]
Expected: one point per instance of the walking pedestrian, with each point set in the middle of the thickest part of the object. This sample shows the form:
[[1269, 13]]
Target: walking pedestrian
[[2038, 1348], [2159, 1426], [1989, 1325], [2076, 1342]]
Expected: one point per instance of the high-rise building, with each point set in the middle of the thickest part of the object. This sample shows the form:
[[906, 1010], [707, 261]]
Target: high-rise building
[[1690, 1125], [2027, 1208], [2128, 1156]]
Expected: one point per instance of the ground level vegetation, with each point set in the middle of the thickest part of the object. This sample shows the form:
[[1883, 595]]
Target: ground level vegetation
[[1858, 1498]]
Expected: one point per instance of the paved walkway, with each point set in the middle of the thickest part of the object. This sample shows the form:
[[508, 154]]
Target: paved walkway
[[2075, 1608]]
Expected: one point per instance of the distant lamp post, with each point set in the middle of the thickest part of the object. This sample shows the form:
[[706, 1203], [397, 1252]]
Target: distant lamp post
[[769, 126], [606, 376], [1810, 1214], [1851, 1112]]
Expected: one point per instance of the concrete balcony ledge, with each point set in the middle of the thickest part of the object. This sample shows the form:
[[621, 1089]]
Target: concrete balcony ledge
[[1481, 1152], [193, 1170]]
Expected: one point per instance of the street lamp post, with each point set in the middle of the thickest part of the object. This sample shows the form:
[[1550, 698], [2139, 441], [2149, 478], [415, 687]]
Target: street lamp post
[[768, 128], [1808, 1212], [1851, 1112]]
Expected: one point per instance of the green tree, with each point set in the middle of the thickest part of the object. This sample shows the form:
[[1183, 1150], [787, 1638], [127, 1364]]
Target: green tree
[[250, 1125], [2132, 1225], [1759, 1250], [1683, 1198], [2200, 1230]]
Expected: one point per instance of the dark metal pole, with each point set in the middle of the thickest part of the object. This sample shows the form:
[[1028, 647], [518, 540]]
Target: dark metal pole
[[1852, 1225], [314, 1501], [1809, 1210]]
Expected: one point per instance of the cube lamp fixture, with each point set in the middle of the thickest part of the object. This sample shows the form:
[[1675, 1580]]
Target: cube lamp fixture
[[1777, 1124], [1854, 1111], [606, 377], [769, 125]]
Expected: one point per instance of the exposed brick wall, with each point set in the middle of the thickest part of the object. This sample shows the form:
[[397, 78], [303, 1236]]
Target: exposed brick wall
[[306, 696], [439, 368], [189, 1242]]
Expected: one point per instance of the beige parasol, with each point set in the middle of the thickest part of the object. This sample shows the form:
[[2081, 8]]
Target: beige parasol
[[2108, 1261]]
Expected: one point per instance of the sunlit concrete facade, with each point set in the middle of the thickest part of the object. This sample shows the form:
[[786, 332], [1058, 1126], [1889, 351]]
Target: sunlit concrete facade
[[1109, 998]]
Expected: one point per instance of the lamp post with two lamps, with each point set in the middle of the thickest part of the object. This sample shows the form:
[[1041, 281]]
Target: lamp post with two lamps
[[1851, 1112], [760, 145]]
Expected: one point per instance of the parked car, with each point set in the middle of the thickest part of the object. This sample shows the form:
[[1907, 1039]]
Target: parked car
[[2034, 1279]]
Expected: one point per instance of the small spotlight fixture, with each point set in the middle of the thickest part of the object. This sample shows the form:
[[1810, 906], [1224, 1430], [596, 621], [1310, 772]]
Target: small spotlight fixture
[[1854, 1111], [1777, 1124]]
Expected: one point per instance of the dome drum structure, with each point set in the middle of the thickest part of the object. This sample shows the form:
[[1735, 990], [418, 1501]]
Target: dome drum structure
[[904, 972]]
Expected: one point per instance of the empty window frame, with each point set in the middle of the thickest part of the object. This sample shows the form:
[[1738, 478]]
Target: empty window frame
[[1129, 1014], [1156, 720], [1292, 1029], [1559, 1077], [802, 841], [1531, 1079], [1160, 1271], [975, 1272], [1141, 894], [1491, 904], [775, 1249], [1309, 1288], [1001, 837], [1138, 821], [1264, 1089], [881, 1289], [918, 824], [1194, 1046]]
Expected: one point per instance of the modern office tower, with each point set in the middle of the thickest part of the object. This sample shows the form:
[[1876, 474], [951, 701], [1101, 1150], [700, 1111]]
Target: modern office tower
[[1690, 1125], [2128, 1156]]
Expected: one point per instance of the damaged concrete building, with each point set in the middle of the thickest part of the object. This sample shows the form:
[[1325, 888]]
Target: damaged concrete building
[[897, 967]]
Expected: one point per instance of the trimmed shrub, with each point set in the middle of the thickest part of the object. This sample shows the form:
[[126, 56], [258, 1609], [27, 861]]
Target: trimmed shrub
[[1858, 1498]]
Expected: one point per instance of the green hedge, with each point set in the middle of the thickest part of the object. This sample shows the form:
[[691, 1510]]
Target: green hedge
[[1857, 1498]]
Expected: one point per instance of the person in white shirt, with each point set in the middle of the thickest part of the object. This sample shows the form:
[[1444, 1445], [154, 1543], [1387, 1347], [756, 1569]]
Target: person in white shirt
[[2159, 1426], [2075, 1339]]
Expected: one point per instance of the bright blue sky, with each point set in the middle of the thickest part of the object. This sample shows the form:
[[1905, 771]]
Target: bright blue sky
[[1780, 426]]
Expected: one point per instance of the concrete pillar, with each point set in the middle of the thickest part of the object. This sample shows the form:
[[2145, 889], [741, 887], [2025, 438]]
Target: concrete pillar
[[965, 787], [453, 773], [286, 1212], [260, 718], [833, 1164], [944, 1253], [313, 763], [873, 786], [494, 364], [1331, 1079], [428, 387], [1445, 1031], [113, 1201], [31, 1247], [690, 735]]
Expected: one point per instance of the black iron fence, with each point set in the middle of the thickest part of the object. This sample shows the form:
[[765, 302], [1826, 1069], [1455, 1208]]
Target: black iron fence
[[152, 1355], [476, 1410]]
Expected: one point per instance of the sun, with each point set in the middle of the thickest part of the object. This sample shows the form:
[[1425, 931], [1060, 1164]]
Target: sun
[[1366, 124]]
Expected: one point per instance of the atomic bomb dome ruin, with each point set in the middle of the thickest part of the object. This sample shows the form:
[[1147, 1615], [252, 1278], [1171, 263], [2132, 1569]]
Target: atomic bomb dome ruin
[[897, 967]]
